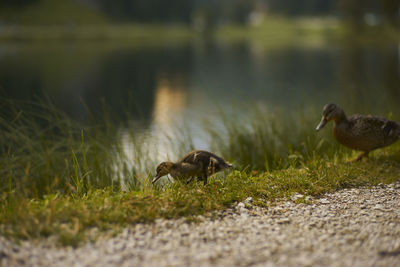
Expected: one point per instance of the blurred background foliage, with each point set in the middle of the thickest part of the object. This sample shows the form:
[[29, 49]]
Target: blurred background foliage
[[198, 13]]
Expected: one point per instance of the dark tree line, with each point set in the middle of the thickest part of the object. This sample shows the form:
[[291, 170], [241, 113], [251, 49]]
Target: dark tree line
[[237, 11], [353, 11], [148, 10], [178, 10], [302, 7]]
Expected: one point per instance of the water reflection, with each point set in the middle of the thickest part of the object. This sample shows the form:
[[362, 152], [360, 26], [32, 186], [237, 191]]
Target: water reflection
[[169, 99], [369, 78], [196, 76], [167, 86]]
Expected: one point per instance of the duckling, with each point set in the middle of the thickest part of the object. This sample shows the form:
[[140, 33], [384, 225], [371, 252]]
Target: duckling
[[360, 132], [198, 163]]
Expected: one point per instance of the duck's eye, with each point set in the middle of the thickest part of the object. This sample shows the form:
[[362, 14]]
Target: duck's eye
[[329, 112]]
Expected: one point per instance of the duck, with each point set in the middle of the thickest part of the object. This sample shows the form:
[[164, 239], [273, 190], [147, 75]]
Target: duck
[[195, 164], [360, 132]]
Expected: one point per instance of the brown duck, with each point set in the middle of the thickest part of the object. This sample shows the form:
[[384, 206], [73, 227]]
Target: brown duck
[[196, 164], [360, 132]]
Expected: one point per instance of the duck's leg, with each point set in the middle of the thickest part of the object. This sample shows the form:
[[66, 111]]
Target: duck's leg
[[359, 157], [205, 175], [205, 179]]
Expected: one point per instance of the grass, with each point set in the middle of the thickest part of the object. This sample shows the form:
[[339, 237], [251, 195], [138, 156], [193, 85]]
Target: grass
[[68, 217], [63, 180]]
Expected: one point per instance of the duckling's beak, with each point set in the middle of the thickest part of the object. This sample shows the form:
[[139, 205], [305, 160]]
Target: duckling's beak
[[155, 179], [321, 124]]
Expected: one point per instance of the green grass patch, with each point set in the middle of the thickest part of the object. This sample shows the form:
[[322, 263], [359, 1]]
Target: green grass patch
[[70, 217]]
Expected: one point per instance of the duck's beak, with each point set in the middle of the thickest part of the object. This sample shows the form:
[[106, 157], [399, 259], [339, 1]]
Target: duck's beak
[[321, 124], [155, 179]]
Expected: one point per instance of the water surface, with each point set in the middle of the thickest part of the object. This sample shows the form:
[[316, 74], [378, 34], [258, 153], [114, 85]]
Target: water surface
[[163, 86]]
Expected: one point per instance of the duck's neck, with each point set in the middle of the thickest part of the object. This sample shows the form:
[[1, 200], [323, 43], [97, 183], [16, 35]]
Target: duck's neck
[[174, 165], [175, 169], [341, 118], [183, 167]]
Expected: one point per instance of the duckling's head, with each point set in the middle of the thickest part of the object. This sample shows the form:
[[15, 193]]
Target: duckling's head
[[330, 112], [163, 169]]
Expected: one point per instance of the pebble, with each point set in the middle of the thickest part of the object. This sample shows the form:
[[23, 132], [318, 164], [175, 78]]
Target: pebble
[[324, 201], [296, 196], [240, 205], [248, 201], [352, 227]]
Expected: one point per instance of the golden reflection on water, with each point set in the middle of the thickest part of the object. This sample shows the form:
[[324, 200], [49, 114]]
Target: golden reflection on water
[[170, 99]]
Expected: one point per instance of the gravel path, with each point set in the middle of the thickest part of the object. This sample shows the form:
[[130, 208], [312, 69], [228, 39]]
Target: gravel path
[[355, 227]]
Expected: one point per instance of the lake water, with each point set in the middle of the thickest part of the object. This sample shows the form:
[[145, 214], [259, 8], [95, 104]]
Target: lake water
[[160, 85]]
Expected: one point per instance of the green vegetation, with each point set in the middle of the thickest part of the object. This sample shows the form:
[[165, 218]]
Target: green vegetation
[[70, 216], [131, 33], [64, 180], [279, 30], [273, 32], [277, 22]]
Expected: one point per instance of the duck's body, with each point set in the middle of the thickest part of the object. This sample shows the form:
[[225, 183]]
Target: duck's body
[[360, 132], [365, 133], [198, 163]]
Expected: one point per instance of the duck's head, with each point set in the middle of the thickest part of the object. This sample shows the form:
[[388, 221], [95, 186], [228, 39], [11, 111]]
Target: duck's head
[[330, 112], [163, 169]]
